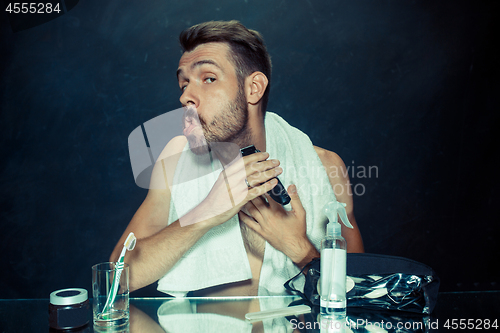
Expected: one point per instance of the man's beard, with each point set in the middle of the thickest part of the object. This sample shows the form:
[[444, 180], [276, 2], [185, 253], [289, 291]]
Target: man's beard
[[231, 125]]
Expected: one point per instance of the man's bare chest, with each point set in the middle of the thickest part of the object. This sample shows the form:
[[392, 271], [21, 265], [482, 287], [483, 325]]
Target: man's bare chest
[[254, 243]]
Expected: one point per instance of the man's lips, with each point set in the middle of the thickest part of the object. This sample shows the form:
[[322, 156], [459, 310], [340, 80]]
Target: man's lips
[[189, 129]]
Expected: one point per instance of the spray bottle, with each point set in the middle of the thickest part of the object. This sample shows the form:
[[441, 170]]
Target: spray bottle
[[333, 263]]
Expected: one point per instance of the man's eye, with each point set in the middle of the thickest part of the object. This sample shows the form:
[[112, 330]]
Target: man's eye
[[183, 88], [210, 80]]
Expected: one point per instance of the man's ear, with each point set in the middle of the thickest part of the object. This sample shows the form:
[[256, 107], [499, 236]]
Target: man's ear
[[255, 86]]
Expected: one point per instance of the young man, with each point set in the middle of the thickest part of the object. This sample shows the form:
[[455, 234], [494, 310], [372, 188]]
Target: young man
[[254, 245]]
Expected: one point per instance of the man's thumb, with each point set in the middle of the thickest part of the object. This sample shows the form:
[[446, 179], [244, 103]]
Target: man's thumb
[[295, 202]]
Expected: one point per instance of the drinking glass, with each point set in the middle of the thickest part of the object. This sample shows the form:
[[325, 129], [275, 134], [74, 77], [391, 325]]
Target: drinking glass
[[109, 311]]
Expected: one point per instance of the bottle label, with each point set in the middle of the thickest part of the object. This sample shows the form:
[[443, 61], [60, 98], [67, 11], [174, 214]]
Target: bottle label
[[333, 276]]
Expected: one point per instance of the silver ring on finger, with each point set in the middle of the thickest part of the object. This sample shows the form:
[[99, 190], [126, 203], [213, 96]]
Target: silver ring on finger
[[246, 181]]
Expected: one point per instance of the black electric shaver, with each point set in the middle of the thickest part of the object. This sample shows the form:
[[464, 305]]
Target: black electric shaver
[[278, 193]]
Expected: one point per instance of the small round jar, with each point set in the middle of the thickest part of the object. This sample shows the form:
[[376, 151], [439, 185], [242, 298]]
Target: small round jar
[[69, 309]]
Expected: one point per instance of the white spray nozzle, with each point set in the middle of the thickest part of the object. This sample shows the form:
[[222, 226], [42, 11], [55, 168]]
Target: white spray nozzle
[[334, 209]]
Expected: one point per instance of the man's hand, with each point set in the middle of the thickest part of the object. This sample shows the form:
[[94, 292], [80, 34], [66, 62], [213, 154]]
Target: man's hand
[[284, 230], [230, 192]]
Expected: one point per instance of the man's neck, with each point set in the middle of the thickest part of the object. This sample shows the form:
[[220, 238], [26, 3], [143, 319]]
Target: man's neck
[[257, 131]]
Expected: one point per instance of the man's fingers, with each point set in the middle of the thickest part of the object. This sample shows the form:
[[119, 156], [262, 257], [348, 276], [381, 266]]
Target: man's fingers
[[259, 169], [259, 190], [256, 157], [260, 166], [259, 203], [255, 168], [239, 164], [295, 202], [252, 207], [260, 177], [250, 222]]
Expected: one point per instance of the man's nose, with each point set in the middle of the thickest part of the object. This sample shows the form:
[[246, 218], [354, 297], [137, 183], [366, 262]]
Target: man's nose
[[189, 96]]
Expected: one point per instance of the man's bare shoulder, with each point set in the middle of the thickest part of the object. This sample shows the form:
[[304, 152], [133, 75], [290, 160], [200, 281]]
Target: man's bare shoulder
[[166, 165], [174, 147], [329, 158]]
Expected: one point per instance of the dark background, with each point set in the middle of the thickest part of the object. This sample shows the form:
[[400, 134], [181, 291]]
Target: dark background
[[408, 87]]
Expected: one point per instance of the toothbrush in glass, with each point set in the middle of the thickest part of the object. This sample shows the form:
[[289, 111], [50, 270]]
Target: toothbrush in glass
[[128, 245]]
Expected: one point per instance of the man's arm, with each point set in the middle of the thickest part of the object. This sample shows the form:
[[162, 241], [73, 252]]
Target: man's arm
[[159, 245], [286, 230], [339, 179]]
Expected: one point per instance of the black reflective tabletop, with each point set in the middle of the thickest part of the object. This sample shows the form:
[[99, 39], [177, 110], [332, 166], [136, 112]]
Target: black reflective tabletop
[[454, 311]]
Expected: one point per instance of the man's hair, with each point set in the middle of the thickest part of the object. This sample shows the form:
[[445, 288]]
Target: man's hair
[[248, 51]]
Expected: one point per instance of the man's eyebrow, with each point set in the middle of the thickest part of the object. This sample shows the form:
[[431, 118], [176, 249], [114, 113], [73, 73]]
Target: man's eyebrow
[[199, 63]]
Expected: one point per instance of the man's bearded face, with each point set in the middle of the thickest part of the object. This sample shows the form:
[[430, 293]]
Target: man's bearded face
[[228, 125]]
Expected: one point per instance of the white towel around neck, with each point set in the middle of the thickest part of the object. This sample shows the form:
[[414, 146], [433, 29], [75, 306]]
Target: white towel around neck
[[219, 257]]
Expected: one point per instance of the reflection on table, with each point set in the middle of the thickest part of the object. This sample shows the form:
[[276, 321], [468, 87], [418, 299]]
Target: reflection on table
[[228, 315], [210, 315]]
